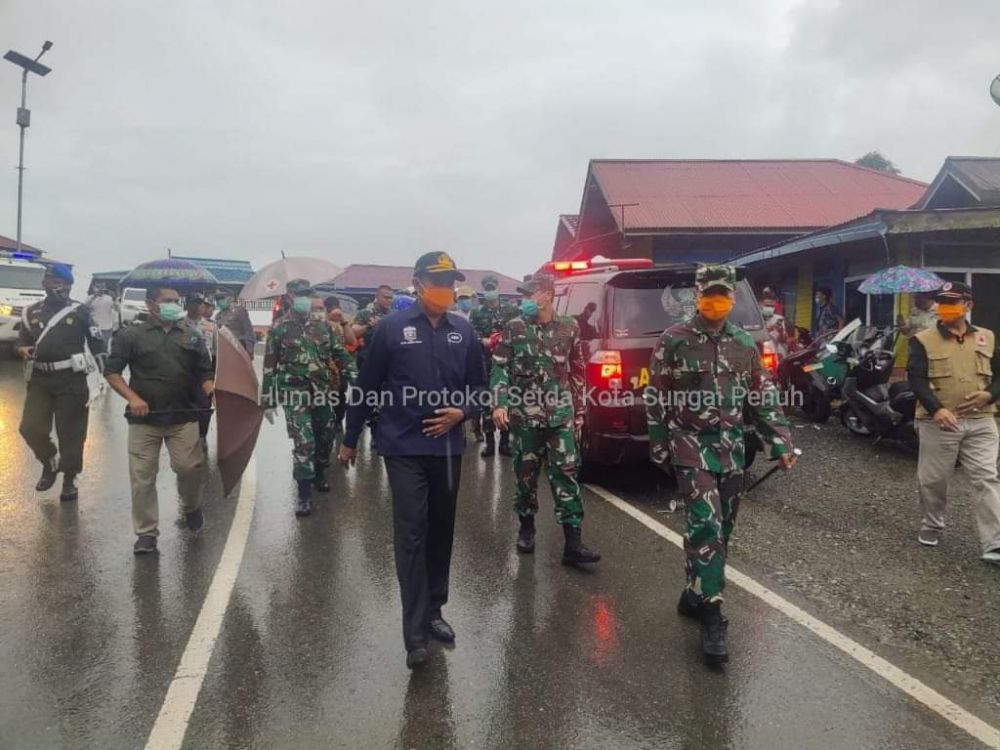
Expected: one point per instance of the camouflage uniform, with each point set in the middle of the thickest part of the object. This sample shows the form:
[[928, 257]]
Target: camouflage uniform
[[486, 320], [538, 376], [302, 364], [696, 406]]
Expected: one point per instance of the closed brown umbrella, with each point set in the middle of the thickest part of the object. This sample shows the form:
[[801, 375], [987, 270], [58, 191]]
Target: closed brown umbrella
[[238, 409]]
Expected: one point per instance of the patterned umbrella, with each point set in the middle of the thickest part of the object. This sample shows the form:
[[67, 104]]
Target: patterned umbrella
[[901, 279], [178, 273]]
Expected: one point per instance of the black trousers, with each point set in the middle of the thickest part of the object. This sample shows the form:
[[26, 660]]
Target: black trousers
[[424, 495], [62, 397]]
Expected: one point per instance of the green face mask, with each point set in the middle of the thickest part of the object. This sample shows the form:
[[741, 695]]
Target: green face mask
[[302, 305], [222, 303], [170, 312]]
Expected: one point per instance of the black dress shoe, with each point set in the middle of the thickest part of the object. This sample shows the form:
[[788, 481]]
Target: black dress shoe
[[50, 472], [194, 520], [69, 491], [440, 630], [145, 544], [416, 658]]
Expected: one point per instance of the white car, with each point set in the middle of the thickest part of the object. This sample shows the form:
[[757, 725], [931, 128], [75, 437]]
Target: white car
[[20, 286], [132, 306]]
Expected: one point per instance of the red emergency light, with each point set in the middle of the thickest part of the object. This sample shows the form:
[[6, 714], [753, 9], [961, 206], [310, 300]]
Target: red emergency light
[[596, 264]]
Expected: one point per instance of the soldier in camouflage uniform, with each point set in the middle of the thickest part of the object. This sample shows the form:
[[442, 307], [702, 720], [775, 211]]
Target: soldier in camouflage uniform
[[303, 362], [488, 319], [538, 384], [706, 379]]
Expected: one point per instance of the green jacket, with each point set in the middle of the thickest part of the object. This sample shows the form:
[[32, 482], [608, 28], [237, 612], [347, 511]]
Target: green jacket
[[488, 320], [538, 372], [703, 386], [304, 354]]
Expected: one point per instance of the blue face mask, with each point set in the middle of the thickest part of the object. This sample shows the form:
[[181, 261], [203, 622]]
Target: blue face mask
[[170, 312], [492, 295], [465, 305], [302, 305], [529, 308]]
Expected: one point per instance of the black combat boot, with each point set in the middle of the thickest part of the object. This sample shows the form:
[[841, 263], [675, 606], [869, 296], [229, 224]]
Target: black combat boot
[[489, 450], [319, 479], [504, 449], [69, 490], [575, 552], [526, 535], [304, 505], [713, 634], [50, 472], [690, 604]]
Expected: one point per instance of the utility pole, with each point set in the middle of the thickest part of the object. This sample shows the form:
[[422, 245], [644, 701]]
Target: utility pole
[[24, 116]]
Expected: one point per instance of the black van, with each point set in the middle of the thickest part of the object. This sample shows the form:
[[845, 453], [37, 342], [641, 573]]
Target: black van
[[622, 306]]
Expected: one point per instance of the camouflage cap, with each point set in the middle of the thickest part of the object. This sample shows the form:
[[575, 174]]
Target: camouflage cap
[[715, 275], [298, 286], [490, 282], [537, 282]]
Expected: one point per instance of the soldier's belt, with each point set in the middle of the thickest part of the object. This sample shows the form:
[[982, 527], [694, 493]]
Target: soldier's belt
[[62, 364]]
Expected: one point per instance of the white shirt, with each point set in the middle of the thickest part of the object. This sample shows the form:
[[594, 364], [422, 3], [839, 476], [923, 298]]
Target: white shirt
[[102, 310]]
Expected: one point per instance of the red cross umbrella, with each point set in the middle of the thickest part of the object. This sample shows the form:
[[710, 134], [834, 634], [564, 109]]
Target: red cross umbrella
[[270, 281], [238, 409]]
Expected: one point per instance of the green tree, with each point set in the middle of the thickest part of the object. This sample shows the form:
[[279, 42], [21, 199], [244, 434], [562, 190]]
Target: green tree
[[875, 160]]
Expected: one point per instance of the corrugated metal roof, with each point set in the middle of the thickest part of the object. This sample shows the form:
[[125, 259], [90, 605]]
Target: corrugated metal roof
[[370, 277], [978, 175], [226, 271], [747, 194]]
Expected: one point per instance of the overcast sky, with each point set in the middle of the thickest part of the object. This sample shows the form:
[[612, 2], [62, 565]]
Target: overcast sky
[[371, 132]]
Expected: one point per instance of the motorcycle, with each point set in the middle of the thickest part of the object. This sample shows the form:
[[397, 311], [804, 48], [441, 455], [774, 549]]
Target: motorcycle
[[871, 406], [818, 372]]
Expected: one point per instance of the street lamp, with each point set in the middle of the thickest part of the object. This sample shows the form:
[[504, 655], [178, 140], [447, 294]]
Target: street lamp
[[995, 90], [24, 114]]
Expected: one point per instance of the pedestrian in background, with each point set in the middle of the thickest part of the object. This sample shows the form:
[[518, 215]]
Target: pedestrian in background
[[538, 381], [489, 320], [104, 311], [828, 317], [773, 322], [921, 315], [52, 339], [303, 361], [235, 318], [194, 306], [465, 300], [418, 358], [165, 357], [706, 379], [954, 371]]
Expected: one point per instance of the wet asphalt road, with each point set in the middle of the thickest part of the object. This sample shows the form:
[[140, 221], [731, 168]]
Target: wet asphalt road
[[310, 651]]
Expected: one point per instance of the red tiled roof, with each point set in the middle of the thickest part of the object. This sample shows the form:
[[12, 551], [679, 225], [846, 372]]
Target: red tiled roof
[[747, 194], [360, 276], [571, 222]]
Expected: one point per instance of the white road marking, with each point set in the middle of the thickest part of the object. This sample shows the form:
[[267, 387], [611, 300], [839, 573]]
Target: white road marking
[[967, 722], [175, 713]]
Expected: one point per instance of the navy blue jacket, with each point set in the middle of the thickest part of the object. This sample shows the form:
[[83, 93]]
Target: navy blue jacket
[[412, 369]]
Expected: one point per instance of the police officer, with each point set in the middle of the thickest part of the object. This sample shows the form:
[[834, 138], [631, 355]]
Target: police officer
[[538, 383], [425, 366], [489, 319], [705, 377], [954, 370], [301, 375], [52, 338]]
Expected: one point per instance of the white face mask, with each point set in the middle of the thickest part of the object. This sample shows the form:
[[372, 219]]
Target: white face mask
[[767, 310]]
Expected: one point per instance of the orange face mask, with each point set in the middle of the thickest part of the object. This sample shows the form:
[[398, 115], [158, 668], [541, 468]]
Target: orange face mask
[[715, 306], [950, 312], [437, 299]]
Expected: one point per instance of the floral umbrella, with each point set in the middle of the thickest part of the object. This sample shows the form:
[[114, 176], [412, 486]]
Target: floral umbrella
[[900, 279], [178, 273]]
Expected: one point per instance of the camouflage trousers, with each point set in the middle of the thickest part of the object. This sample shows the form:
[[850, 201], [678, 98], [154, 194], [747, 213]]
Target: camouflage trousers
[[557, 447], [713, 501], [312, 430]]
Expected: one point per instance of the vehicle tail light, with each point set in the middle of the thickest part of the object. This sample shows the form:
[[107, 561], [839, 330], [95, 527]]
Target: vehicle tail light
[[769, 356], [276, 309], [605, 369]]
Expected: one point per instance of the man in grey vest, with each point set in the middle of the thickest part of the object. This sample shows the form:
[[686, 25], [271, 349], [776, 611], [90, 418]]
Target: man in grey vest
[[954, 370]]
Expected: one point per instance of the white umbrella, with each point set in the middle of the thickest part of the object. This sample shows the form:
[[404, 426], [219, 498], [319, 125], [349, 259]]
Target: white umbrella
[[270, 281]]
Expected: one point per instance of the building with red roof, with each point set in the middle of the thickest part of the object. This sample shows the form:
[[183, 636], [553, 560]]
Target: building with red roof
[[676, 210]]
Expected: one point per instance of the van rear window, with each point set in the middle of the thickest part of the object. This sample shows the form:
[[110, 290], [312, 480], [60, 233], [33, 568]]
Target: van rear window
[[638, 313]]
